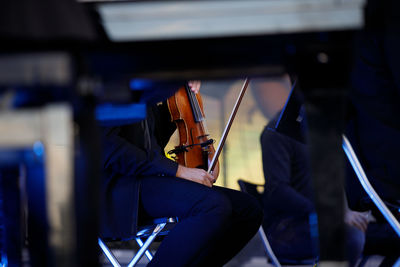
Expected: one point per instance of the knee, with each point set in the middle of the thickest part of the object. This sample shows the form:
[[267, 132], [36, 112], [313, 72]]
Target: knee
[[354, 242]]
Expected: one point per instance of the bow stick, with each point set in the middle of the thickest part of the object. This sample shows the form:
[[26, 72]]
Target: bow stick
[[228, 126]]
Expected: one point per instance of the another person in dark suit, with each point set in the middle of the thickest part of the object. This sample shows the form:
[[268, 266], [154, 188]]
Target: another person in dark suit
[[291, 223], [140, 182], [288, 198], [373, 127]]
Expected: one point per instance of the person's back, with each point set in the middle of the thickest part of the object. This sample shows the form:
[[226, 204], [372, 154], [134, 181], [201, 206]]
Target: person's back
[[290, 221], [373, 128], [287, 194]]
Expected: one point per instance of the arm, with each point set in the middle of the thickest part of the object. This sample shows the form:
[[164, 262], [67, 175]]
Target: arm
[[124, 157]]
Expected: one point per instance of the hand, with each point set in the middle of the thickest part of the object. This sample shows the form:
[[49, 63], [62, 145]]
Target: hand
[[357, 219], [195, 175], [194, 86]]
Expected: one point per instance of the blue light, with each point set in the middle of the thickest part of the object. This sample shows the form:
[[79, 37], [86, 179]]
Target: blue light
[[38, 148], [313, 221], [397, 263], [4, 261], [140, 84]]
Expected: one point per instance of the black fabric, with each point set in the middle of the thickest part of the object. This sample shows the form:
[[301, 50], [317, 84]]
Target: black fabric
[[374, 125], [288, 196], [290, 220], [288, 189], [214, 223], [373, 128], [131, 152]]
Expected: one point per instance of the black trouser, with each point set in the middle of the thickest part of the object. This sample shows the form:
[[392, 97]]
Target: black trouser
[[215, 223]]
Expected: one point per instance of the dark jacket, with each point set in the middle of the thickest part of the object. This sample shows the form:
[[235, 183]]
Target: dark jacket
[[374, 127], [132, 152], [288, 189]]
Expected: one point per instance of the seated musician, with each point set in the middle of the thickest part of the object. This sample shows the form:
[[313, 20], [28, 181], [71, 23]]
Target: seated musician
[[288, 193], [215, 223], [373, 127]]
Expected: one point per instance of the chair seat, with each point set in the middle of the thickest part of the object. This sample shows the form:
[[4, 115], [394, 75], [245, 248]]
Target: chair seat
[[148, 228]]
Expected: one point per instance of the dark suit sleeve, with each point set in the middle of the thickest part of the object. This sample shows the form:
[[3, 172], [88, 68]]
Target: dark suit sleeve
[[279, 194], [125, 158]]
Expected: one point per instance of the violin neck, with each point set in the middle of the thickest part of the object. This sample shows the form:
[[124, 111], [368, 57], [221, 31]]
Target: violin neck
[[194, 104]]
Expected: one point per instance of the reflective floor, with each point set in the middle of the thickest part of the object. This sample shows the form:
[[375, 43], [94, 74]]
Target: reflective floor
[[251, 256]]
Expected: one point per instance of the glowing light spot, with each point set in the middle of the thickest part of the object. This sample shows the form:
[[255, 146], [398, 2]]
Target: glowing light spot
[[38, 148]]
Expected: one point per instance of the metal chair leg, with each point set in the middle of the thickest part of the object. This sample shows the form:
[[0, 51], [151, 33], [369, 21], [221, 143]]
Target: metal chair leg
[[268, 248], [147, 253], [110, 256], [149, 240]]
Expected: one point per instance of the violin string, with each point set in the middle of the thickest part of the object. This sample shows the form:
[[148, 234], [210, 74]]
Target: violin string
[[193, 105], [200, 114], [197, 107]]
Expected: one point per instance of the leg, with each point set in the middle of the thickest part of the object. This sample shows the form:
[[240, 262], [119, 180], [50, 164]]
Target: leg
[[291, 239], [206, 215], [243, 224], [355, 240]]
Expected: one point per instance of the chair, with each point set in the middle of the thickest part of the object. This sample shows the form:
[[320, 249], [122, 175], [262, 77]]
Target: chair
[[251, 188], [155, 231]]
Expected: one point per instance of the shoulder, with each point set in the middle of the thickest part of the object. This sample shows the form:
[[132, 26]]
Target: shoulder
[[272, 139]]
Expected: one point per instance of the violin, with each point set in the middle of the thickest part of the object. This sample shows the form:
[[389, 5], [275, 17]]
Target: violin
[[195, 149]]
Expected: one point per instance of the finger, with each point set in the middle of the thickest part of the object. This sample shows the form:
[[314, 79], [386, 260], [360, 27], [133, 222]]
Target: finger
[[194, 86], [210, 177], [201, 180], [195, 83], [203, 176], [361, 224], [363, 220], [210, 180], [207, 183], [364, 225]]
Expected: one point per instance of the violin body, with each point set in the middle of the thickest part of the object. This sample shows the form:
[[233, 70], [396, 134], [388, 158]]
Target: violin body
[[195, 149]]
